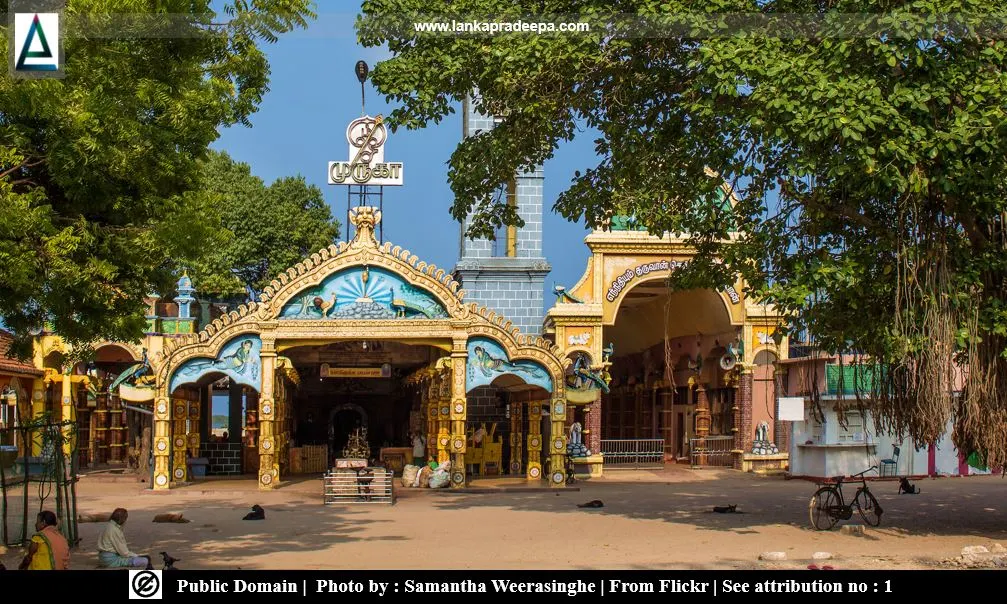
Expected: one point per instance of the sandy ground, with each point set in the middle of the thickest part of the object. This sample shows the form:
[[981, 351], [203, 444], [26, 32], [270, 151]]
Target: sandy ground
[[650, 520]]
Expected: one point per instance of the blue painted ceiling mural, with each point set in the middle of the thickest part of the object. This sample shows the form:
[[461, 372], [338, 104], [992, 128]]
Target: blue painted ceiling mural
[[364, 293], [238, 360], [488, 361]]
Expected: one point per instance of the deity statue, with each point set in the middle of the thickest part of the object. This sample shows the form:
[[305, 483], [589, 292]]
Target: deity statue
[[575, 433], [762, 432]]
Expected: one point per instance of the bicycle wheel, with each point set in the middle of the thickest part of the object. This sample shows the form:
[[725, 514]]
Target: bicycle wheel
[[822, 508], [869, 508]]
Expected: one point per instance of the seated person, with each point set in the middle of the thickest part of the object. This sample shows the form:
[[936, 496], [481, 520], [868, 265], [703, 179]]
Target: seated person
[[49, 549], [112, 549]]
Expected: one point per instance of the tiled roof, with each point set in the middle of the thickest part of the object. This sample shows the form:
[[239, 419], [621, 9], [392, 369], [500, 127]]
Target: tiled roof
[[10, 365]]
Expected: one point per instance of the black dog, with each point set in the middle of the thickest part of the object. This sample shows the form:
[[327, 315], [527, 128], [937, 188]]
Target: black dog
[[907, 488], [169, 562], [594, 503], [257, 513], [725, 509]]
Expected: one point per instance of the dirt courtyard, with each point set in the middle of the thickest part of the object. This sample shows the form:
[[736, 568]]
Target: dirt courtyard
[[650, 520]]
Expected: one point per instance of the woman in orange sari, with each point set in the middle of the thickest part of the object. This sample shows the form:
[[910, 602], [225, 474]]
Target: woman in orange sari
[[49, 549]]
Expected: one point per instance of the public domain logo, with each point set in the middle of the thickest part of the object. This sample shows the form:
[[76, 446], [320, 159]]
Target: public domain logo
[[36, 47], [144, 585]]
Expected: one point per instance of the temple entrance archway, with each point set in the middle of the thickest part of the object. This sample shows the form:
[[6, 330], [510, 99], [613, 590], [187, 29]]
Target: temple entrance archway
[[354, 294]]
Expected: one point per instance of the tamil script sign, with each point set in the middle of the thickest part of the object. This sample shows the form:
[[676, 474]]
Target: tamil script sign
[[366, 165], [356, 372], [622, 281]]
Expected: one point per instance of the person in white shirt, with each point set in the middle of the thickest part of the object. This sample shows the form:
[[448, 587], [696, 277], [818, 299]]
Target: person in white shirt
[[112, 549]]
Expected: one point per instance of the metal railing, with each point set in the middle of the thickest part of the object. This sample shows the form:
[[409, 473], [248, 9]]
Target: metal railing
[[371, 485], [633, 453], [712, 451]]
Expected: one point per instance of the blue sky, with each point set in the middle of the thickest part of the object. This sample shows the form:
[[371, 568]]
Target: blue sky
[[301, 125]]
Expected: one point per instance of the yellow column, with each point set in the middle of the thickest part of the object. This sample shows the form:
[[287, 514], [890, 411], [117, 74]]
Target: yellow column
[[179, 438], [557, 444], [282, 429], [516, 437], [430, 415], [269, 469], [37, 410], [444, 429], [459, 411], [534, 441], [192, 427], [433, 425], [68, 414], [162, 443]]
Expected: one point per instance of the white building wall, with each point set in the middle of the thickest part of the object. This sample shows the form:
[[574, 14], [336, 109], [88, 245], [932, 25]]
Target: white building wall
[[826, 456]]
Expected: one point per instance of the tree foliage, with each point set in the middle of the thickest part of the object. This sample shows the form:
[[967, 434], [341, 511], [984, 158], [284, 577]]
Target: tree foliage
[[98, 170], [868, 153], [269, 228]]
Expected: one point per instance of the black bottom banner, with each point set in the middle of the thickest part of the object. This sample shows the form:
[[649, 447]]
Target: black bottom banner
[[397, 585]]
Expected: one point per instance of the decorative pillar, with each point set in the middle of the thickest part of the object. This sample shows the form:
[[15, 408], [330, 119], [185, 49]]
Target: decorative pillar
[[162, 440], [269, 467], [781, 429], [738, 451], [516, 436], [430, 411], [534, 441], [702, 422], [37, 410], [67, 414], [443, 418], [746, 436], [282, 412], [592, 425], [459, 411], [192, 429], [179, 440], [557, 443]]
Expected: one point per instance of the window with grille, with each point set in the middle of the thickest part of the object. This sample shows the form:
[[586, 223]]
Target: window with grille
[[853, 430]]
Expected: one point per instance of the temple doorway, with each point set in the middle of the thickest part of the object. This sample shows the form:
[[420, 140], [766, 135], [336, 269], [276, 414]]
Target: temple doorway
[[344, 419], [351, 385]]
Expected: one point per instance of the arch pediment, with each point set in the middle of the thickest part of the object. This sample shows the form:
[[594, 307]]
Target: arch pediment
[[361, 288], [363, 291]]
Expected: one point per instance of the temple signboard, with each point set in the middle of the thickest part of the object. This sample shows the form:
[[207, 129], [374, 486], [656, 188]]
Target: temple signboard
[[356, 372], [366, 165], [622, 281]]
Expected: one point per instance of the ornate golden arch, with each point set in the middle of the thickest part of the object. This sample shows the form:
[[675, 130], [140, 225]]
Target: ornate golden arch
[[263, 318], [361, 251]]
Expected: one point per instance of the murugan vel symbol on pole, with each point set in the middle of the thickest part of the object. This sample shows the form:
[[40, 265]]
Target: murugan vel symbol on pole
[[366, 137]]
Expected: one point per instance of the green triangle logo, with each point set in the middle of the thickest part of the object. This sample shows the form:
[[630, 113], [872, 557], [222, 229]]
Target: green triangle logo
[[45, 53]]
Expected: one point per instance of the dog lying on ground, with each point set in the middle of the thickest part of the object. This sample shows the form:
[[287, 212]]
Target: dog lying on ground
[[257, 513], [907, 488]]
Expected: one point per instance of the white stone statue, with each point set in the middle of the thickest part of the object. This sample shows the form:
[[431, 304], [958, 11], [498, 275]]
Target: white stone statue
[[575, 433], [762, 432], [419, 446]]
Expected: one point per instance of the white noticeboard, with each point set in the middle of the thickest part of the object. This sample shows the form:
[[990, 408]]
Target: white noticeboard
[[791, 408]]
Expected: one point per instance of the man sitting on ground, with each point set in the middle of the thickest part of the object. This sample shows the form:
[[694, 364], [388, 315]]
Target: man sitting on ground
[[112, 549]]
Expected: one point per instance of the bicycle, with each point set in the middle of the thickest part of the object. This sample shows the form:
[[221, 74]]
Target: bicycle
[[828, 506]]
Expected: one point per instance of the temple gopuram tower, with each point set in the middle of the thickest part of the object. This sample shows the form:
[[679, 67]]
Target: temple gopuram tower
[[507, 275]]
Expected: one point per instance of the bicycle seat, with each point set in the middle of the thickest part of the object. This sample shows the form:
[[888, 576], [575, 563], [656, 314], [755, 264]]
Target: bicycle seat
[[837, 479]]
